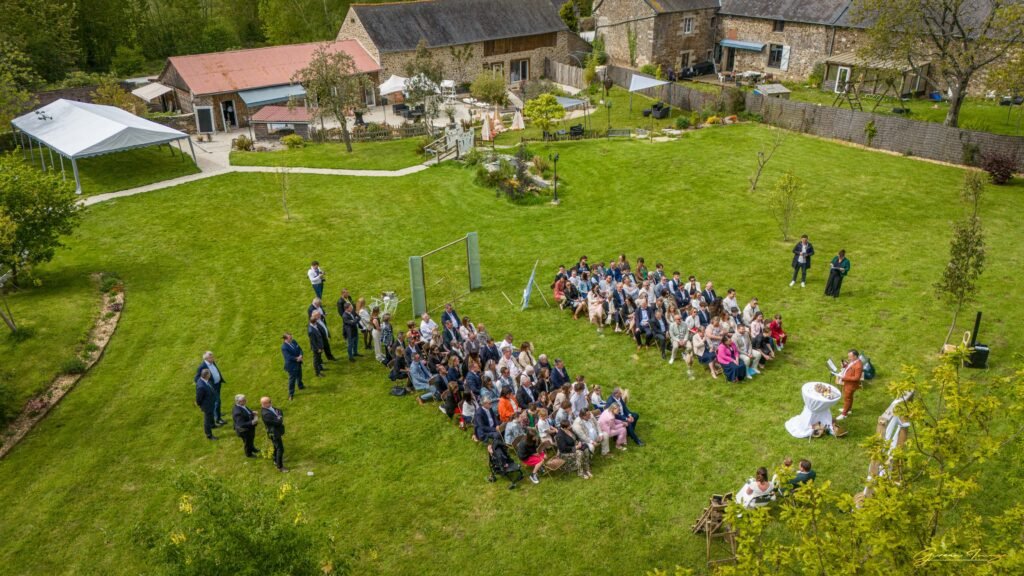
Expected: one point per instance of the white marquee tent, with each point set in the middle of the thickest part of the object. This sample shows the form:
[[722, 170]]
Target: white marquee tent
[[392, 85], [76, 130]]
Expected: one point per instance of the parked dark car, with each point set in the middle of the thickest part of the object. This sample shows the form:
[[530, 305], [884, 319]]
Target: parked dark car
[[702, 69]]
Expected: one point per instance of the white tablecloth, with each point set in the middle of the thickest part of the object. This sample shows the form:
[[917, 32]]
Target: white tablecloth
[[817, 409]]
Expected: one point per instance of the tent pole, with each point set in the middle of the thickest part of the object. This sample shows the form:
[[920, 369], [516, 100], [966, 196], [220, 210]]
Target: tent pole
[[31, 152], [192, 148], [63, 176], [51, 158], [78, 181], [180, 151], [42, 161]]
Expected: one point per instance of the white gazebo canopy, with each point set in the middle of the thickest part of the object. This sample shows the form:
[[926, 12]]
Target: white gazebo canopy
[[393, 84], [638, 82], [76, 130], [151, 91]]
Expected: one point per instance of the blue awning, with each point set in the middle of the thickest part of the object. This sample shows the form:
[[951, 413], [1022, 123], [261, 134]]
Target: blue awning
[[741, 45], [271, 95]]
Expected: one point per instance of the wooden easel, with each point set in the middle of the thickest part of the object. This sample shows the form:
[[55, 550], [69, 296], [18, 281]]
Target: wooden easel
[[713, 524]]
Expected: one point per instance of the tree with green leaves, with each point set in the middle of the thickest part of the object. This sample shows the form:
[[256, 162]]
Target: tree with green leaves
[[43, 30], [110, 93], [543, 111], [17, 80], [8, 231], [334, 86], [294, 21], [958, 38], [784, 202], [959, 283], [928, 510], [460, 57], [1007, 79], [42, 209], [269, 532], [489, 86], [424, 81]]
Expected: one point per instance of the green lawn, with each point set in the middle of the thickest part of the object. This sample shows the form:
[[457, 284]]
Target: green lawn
[[388, 155], [405, 490], [123, 170], [976, 113]]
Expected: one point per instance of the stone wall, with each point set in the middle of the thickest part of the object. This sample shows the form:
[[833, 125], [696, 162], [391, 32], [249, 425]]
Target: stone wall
[[615, 19], [352, 29], [808, 45], [671, 42]]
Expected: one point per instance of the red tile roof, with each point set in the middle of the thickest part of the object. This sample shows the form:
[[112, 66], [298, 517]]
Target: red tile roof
[[220, 72], [281, 114]]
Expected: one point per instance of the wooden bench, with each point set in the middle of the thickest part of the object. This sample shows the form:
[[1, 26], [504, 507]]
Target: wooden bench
[[620, 133]]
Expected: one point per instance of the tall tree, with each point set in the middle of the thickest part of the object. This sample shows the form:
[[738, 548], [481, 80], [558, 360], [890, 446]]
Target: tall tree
[[334, 85], [44, 30], [424, 81], [957, 37], [291, 21], [103, 25], [17, 80], [41, 207]]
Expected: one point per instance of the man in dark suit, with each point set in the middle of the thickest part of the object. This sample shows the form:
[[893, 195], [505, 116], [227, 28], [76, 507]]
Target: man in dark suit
[[630, 418], [450, 334], [216, 382], [316, 343], [642, 332], [451, 314], [344, 299], [473, 381], [802, 253], [703, 316], [273, 421], [805, 475], [245, 425], [711, 299], [206, 399], [350, 330], [659, 328], [526, 395], [486, 422], [292, 354], [559, 376], [490, 352]]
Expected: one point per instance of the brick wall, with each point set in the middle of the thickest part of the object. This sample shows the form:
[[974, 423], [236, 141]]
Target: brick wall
[[671, 40], [614, 19]]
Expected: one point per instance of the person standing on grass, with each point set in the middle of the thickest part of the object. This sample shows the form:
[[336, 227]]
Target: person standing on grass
[[273, 421], [838, 270], [850, 377], [802, 253], [350, 330], [316, 343], [292, 354], [205, 400], [316, 278], [216, 382], [245, 425]]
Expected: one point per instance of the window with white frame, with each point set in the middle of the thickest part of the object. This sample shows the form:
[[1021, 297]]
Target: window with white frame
[[775, 56], [689, 25]]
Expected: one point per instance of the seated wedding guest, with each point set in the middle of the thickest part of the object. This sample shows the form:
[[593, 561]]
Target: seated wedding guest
[[572, 451], [750, 311], [596, 400], [421, 378], [544, 381], [736, 317], [505, 380], [692, 286], [580, 398], [542, 364], [595, 307], [729, 302], [485, 422], [561, 395], [759, 339], [450, 334], [427, 327], [509, 362], [488, 392], [641, 269], [525, 357], [804, 475], [659, 273], [659, 329], [451, 400], [490, 353], [713, 334], [507, 406], [612, 427], [469, 409], [506, 342], [678, 335], [711, 298], [412, 334], [526, 395], [564, 413], [703, 352], [729, 360], [530, 454], [618, 398], [543, 400], [543, 423], [749, 356], [642, 331], [757, 491], [516, 427], [776, 332], [559, 376], [727, 323], [482, 336], [586, 429], [558, 292], [467, 330], [399, 367], [630, 288], [702, 311]]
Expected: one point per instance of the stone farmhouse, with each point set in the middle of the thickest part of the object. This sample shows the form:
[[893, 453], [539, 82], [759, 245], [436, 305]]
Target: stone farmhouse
[[510, 37], [787, 38], [225, 89]]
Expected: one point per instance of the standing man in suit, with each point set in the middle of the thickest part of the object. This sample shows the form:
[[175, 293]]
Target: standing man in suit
[[316, 343], [206, 400], [273, 421], [292, 354], [216, 381], [350, 330], [317, 306], [245, 425], [624, 414], [316, 278], [850, 377], [802, 253]]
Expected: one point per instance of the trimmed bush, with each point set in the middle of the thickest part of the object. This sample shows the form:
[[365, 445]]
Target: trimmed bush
[[682, 122], [243, 143], [999, 167], [293, 141], [73, 366]]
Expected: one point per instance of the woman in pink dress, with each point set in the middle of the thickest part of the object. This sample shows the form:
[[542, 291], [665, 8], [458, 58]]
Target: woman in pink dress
[[612, 427]]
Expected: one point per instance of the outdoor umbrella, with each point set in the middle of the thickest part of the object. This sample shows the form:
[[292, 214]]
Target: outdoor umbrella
[[485, 129], [517, 121]]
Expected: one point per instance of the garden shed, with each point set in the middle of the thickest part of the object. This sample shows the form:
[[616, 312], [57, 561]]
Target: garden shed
[[270, 120]]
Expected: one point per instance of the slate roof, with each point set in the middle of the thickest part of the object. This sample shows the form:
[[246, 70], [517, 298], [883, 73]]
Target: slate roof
[[826, 12], [219, 72], [399, 26], [668, 6]]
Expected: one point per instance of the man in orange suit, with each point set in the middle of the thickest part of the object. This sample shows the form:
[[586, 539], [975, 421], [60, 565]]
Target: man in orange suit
[[850, 377]]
